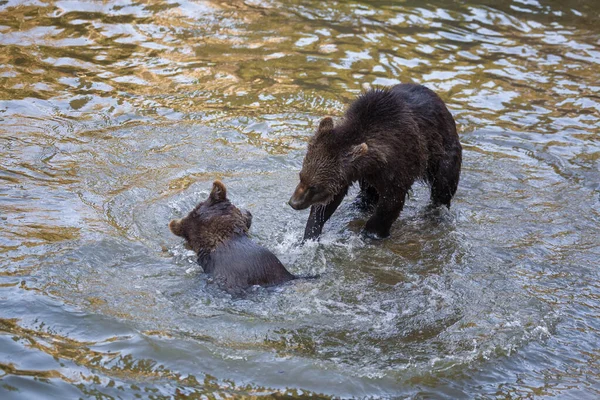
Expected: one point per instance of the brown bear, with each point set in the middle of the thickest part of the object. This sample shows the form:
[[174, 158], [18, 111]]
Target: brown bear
[[217, 231], [388, 139]]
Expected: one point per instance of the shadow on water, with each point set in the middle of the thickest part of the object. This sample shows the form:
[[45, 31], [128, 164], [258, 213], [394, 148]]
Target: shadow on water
[[116, 118]]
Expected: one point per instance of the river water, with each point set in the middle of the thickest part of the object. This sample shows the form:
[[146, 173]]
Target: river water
[[116, 116]]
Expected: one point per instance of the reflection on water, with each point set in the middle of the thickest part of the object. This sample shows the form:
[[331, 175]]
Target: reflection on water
[[116, 116]]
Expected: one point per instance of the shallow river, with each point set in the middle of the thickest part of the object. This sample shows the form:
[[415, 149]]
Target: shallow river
[[116, 116]]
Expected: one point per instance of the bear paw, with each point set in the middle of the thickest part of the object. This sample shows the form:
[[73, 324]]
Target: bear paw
[[373, 235]]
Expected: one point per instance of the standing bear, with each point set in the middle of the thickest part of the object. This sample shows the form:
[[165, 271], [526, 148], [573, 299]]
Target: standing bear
[[388, 139], [217, 231]]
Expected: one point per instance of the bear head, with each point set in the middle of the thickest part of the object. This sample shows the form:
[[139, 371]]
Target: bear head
[[327, 167], [212, 222]]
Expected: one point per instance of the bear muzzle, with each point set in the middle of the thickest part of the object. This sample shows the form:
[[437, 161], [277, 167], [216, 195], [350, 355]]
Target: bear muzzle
[[300, 200], [176, 227]]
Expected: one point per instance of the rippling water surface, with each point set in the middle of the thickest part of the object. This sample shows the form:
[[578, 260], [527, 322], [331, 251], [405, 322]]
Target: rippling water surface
[[116, 116]]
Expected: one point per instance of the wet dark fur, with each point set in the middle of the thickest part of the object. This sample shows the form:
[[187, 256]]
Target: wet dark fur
[[240, 263], [218, 232], [388, 139]]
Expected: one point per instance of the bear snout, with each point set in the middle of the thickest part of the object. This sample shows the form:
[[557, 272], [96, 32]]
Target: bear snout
[[300, 198], [175, 227], [296, 204]]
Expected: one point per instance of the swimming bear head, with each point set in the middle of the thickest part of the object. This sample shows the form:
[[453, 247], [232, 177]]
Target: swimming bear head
[[213, 222]]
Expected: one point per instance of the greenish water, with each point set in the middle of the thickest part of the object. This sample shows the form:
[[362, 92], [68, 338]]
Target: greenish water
[[116, 116]]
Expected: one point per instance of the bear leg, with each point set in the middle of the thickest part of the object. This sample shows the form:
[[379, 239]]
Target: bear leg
[[367, 198], [319, 214], [443, 179], [387, 211]]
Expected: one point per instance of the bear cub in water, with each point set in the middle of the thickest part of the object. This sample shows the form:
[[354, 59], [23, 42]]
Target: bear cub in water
[[388, 139], [217, 231]]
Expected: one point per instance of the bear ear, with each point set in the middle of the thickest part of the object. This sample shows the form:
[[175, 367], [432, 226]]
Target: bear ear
[[358, 151], [176, 227], [247, 218], [325, 126], [219, 192]]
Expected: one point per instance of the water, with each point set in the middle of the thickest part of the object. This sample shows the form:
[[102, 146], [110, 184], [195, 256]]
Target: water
[[117, 116]]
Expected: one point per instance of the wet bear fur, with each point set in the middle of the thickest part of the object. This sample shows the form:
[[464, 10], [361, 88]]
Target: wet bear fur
[[217, 232], [387, 139]]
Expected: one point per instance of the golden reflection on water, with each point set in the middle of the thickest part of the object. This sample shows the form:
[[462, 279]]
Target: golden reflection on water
[[129, 374], [516, 70]]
